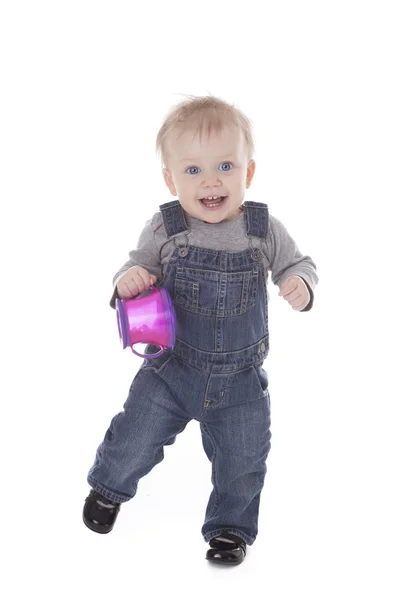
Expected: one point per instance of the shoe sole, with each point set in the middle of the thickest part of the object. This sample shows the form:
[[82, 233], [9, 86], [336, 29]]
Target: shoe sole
[[92, 527], [222, 563]]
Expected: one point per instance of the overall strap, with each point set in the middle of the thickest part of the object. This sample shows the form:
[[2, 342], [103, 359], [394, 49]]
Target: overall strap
[[174, 218], [256, 215], [257, 219]]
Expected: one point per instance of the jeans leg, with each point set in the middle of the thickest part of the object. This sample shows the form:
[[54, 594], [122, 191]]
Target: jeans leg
[[236, 438], [133, 444]]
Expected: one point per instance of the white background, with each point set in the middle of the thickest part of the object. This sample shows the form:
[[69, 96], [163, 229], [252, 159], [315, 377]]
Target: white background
[[85, 86]]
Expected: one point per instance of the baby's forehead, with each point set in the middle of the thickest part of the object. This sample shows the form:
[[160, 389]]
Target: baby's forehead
[[195, 142]]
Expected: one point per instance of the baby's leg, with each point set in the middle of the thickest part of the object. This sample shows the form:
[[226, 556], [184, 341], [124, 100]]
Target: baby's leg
[[236, 437], [133, 444]]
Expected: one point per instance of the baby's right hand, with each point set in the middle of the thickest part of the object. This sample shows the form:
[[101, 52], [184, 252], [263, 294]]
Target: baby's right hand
[[134, 281]]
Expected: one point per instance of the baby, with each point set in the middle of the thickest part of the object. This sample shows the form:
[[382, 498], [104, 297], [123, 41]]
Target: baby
[[212, 252]]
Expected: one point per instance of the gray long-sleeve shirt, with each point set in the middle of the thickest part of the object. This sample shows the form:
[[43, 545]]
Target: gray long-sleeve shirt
[[281, 255]]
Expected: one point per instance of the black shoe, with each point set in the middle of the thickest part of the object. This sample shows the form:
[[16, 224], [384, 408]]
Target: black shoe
[[227, 549], [99, 513]]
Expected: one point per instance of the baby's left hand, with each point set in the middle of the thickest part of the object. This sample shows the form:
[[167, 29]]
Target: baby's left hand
[[295, 291]]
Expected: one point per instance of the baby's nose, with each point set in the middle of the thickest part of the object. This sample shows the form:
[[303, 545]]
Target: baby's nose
[[211, 181]]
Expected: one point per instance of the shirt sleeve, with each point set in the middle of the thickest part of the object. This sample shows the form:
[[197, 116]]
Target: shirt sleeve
[[286, 259], [146, 255]]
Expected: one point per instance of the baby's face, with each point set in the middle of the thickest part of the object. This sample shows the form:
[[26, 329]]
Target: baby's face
[[209, 175]]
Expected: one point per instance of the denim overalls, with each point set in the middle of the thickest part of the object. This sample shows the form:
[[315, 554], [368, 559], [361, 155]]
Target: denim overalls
[[213, 374]]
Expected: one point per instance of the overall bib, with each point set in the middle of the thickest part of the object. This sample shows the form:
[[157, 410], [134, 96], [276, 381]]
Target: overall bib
[[213, 374]]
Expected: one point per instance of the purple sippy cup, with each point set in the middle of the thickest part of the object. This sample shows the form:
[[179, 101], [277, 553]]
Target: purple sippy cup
[[149, 319]]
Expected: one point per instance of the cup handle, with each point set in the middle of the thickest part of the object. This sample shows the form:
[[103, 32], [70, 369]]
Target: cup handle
[[151, 289], [148, 355]]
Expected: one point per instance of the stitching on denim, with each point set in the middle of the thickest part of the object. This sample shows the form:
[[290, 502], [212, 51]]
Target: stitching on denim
[[264, 393], [205, 403], [107, 492], [216, 252], [192, 288], [222, 396]]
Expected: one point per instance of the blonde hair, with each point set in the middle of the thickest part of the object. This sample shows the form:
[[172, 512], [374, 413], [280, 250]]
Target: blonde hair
[[209, 115]]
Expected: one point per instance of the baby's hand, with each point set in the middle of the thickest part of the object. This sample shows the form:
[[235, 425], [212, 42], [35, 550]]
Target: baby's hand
[[295, 291], [134, 281]]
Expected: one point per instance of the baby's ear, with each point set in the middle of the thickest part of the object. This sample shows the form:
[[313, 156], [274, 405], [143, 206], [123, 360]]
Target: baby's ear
[[251, 167], [169, 182]]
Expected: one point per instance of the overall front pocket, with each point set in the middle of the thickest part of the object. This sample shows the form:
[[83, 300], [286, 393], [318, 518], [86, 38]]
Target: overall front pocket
[[213, 293]]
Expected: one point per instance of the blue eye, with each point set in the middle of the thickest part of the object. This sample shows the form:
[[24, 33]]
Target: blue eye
[[193, 170], [226, 166]]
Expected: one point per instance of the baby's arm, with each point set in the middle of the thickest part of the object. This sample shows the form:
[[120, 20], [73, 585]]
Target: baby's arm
[[286, 259], [142, 269]]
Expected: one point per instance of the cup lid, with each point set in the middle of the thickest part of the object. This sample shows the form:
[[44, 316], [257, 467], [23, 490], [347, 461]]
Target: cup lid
[[123, 325], [169, 316]]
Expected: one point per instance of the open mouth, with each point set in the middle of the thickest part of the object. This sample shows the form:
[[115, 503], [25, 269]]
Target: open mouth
[[213, 201]]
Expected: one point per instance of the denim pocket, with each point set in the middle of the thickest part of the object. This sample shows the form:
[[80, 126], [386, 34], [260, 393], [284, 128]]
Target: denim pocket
[[187, 294], [239, 387], [216, 294], [155, 363], [263, 381]]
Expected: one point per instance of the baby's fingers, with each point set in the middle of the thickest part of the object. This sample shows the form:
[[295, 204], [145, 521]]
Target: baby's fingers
[[127, 288], [146, 278]]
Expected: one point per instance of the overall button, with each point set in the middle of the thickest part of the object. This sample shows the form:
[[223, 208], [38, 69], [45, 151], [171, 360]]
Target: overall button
[[183, 251], [256, 255], [262, 347]]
